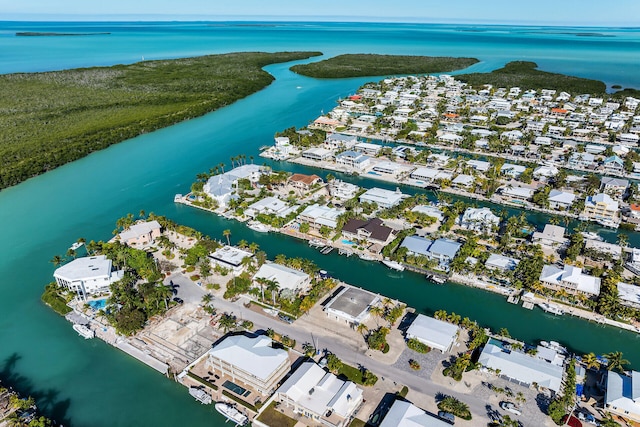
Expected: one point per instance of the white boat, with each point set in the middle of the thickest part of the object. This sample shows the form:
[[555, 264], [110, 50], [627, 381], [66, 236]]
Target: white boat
[[258, 226], [435, 278], [591, 235], [550, 308], [84, 331], [231, 413], [366, 257], [316, 243], [76, 245], [200, 395], [393, 264], [608, 223]]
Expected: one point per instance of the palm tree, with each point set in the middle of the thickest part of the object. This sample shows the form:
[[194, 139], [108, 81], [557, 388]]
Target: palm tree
[[227, 322], [207, 298], [273, 286], [227, 233], [362, 328], [440, 315], [71, 253], [57, 260], [253, 247], [262, 282], [165, 293], [591, 361], [377, 311], [623, 240], [615, 361]]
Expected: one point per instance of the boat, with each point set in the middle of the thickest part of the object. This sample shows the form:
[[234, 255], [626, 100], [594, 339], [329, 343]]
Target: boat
[[550, 308], [84, 331], [231, 413], [608, 223], [591, 235], [435, 278], [394, 265], [326, 250], [258, 226], [316, 243], [76, 245], [346, 252], [366, 257], [200, 395]]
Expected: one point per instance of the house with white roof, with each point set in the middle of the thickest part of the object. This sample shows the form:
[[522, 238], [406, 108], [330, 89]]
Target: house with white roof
[[315, 393], [511, 170], [520, 367], [316, 216], [268, 206], [406, 414], [551, 235], [561, 200], [251, 361], [285, 277], [222, 188], [88, 275], [628, 138], [463, 180], [622, 396], [479, 219], [353, 159], [140, 234], [571, 278], [351, 305], [336, 141], [629, 295], [544, 173], [230, 257], [615, 251], [613, 164], [479, 165], [517, 193], [581, 160], [443, 250], [342, 190], [431, 211], [433, 332], [613, 186], [501, 262], [601, 206], [383, 198], [318, 154], [367, 148]]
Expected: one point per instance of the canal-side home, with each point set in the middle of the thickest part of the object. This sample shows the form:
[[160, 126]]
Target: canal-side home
[[433, 332], [622, 396], [88, 276]]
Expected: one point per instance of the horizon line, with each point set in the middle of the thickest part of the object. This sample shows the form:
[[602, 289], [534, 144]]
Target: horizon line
[[28, 17]]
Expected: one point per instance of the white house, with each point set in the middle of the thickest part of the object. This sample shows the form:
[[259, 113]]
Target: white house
[[230, 257], [285, 277], [463, 180], [367, 148], [517, 193], [431, 211], [545, 172], [613, 186], [500, 262], [433, 332], [351, 305], [406, 414], [141, 234], [317, 216], [514, 171], [88, 275], [269, 206], [383, 198], [559, 199], [552, 236], [342, 190], [318, 154], [479, 219], [252, 361], [221, 188], [340, 141], [317, 394], [353, 159], [479, 165], [571, 278], [581, 160], [622, 396]]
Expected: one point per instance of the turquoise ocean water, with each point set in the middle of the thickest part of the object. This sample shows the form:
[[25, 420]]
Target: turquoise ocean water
[[88, 383]]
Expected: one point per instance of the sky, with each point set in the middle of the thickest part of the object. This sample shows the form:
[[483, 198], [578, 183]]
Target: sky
[[537, 12]]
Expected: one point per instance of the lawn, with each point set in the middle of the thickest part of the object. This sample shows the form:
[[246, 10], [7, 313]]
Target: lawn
[[52, 118], [272, 417]]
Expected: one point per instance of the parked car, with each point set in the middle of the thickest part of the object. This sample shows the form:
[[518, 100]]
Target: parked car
[[285, 318], [511, 407], [447, 416], [586, 417], [178, 300]]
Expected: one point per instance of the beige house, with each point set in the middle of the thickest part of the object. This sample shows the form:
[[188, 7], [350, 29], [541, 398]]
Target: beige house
[[141, 234], [253, 362], [601, 206]]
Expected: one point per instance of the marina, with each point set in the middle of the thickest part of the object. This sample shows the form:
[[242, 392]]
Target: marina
[[231, 413]]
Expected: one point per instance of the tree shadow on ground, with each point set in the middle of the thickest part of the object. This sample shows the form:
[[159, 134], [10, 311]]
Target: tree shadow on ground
[[48, 401]]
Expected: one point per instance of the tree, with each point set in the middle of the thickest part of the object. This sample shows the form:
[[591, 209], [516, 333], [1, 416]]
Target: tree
[[227, 322], [227, 233], [57, 260], [304, 227], [591, 361], [455, 406], [273, 287], [333, 363], [615, 361], [206, 299], [362, 328], [308, 349]]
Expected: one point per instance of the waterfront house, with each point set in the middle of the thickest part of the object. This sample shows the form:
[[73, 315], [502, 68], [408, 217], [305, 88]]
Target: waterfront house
[[367, 148], [463, 181], [501, 262], [633, 262], [351, 305], [581, 160], [511, 170], [285, 277], [561, 200], [479, 219], [319, 395], [613, 164], [304, 182], [251, 361], [520, 367], [431, 211], [342, 190], [517, 193], [140, 234], [430, 174], [88, 276], [544, 173], [406, 414], [613, 250], [417, 245], [615, 187], [317, 216], [372, 231], [439, 159], [599, 207], [595, 149], [433, 332], [629, 295], [318, 154], [221, 188], [571, 278], [622, 395], [268, 206], [381, 197], [338, 141], [231, 258], [353, 159], [628, 138], [479, 165], [443, 251], [388, 168]]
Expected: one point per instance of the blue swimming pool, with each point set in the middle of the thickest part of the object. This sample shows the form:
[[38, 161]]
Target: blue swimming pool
[[348, 242], [98, 304]]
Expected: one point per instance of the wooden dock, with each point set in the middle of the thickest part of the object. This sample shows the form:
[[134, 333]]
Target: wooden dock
[[528, 305]]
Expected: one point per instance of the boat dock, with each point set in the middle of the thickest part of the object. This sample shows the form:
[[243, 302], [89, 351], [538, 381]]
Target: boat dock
[[528, 305]]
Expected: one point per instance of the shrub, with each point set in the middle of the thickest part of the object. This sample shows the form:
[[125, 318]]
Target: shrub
[[414, 364], [455, 406], [418, 346]]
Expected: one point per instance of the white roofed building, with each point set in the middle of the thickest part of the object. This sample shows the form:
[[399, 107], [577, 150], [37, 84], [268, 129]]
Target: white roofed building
[[383, 198], [250, 360], [406, 414], [622, 396], [552, 236], [221, 188], [351, 305], [230, 257], [141, 234], [571, 278], [285, 277], [88, 275], [317, 394], [433, 332], [500, 262], [317, 216], [479, 219], [561, 199]]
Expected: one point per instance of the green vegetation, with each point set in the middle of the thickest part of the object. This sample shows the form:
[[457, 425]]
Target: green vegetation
[[53, 118], [458, 367], [54, 299], [272, 417], [562, 404], [455, 406], [357, 423], [341, 369], [525, 75], [417, 345], [360, 65], [403, 391]]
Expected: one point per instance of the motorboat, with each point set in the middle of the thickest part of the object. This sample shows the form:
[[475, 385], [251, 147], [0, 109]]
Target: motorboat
[[608, 223], [366, 257], [591, 235], [200, 395], [316, 243], [84, 331], [435, 278], [550, 308], [394, 265], [231, 413], [258, 226]]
